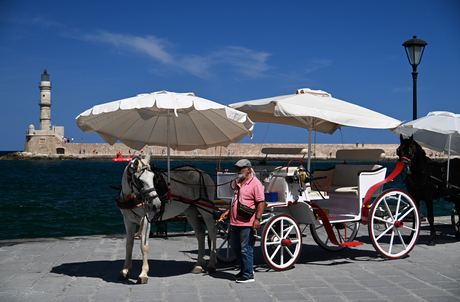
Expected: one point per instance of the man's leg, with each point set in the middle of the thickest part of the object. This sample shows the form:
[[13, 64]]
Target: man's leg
[[247, 252], [235, 243]]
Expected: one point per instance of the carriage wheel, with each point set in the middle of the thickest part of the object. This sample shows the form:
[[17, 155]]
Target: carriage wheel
[[344, 232], [223, 249], [455, 218], [281, 242], [394, 224]]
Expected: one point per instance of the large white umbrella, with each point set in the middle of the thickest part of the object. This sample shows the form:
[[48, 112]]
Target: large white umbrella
[[314, 110], [181, 121], [439, 131]]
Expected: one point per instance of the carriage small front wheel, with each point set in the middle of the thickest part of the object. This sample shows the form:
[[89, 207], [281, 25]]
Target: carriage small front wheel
[[281, 242], [394, 224]]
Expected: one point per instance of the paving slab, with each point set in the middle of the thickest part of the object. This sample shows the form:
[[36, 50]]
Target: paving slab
[[85, 268]]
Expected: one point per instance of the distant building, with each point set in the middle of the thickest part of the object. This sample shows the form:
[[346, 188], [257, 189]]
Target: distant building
[[46, 140]]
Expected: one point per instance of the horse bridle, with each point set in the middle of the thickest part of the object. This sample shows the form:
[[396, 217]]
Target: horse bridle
[[411, 152], [134, 185]]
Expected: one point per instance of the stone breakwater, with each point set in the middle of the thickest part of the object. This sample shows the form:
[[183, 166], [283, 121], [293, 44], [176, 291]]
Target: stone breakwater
[[105, 151]]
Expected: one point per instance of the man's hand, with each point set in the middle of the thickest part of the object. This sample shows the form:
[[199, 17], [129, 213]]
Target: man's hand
[[256, 225], [224, 216]]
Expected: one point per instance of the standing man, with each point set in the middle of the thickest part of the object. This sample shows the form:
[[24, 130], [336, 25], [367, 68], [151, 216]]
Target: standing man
[[249, 192]]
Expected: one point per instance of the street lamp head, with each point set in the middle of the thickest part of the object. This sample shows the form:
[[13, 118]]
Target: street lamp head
[[414, 50]]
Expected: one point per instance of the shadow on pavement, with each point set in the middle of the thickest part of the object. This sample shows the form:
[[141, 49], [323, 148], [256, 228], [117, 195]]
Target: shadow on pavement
[[108, 270], [312, 254]]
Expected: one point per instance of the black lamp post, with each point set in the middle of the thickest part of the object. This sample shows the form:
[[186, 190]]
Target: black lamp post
[[414, 50]]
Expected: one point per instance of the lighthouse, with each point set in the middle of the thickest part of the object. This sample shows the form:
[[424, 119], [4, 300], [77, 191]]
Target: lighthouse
[[45, 102], [48, 139]]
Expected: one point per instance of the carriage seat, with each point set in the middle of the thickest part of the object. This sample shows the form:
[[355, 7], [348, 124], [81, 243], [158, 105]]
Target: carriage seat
[[350, 178]]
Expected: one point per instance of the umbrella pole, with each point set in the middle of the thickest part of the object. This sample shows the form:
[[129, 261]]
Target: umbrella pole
[[169, 160], [448, 160], [309, 150]]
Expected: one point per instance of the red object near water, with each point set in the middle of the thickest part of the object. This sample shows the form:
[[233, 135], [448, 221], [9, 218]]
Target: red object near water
[[121, 158]]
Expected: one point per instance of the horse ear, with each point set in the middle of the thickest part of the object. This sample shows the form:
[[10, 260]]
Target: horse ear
[[147, 159], [134, 163]]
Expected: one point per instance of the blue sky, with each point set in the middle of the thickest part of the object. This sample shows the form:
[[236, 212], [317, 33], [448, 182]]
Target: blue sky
[[225, 51]]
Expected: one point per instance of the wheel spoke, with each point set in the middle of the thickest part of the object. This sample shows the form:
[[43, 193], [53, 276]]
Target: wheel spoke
[[397, 207], [380, 219], [388, 209], [275, 233], [402, 240], [407, 213], [391, 241], [223, 244], [408, 228], [383, 233], [275, 252], [288, 251], [288, 231], [338, 235]]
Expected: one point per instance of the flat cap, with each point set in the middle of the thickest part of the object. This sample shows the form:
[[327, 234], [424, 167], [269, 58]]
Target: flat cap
[[243, 163]]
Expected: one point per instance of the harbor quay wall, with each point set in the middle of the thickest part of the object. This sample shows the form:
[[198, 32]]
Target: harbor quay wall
[[104, 151]]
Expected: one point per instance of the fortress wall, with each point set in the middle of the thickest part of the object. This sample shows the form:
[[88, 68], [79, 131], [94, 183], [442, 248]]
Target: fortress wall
[[233, 150], [37, 148]]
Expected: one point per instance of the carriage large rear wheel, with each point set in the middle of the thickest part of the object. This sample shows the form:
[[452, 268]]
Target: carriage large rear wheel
[[224, 251], [344, 232], [394, 224], [281, 242]]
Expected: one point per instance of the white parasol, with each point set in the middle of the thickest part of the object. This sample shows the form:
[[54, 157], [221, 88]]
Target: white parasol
[[181, 121], [439, 131], [314, 110]]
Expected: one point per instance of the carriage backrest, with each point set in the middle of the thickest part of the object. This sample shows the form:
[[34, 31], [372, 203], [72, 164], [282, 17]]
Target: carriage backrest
[[346, 175], [374, 155]]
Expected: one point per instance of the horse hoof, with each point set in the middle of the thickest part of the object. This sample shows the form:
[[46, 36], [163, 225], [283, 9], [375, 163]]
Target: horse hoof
[[211, 270], [142, 280], [197, 270], [431, 243], [122, 276]]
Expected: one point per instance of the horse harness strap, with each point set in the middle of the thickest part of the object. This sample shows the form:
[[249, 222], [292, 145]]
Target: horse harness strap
[[129, 203], [201, 202]]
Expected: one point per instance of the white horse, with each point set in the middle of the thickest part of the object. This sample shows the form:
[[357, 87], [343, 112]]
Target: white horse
[[191, 189]]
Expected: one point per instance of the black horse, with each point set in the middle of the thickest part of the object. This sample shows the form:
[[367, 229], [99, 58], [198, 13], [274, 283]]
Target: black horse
[[426, 180]]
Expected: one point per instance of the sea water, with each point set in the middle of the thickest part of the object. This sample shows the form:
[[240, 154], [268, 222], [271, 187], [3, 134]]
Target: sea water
[[57, 198]]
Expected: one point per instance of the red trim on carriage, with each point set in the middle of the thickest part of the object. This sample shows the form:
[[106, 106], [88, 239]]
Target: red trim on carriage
[[367, 199]]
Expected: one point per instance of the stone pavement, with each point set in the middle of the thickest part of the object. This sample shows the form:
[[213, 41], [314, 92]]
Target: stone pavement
[[86, 269]]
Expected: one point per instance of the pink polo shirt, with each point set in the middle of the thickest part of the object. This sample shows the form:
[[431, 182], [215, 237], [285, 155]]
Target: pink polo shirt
[[250, 193]]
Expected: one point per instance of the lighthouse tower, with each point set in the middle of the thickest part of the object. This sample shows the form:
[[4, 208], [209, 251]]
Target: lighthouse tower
[[48, 139], [45, 102]]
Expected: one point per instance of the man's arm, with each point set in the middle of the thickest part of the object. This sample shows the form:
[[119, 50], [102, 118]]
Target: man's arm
[[259, 211]]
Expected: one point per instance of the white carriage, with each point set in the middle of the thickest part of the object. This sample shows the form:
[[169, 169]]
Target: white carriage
[[333, 203]]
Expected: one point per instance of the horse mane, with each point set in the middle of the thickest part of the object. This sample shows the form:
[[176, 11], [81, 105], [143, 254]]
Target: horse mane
[[159, 180], [419, 148]]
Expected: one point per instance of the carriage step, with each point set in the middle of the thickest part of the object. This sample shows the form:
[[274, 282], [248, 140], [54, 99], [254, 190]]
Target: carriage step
[[351, 243]]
